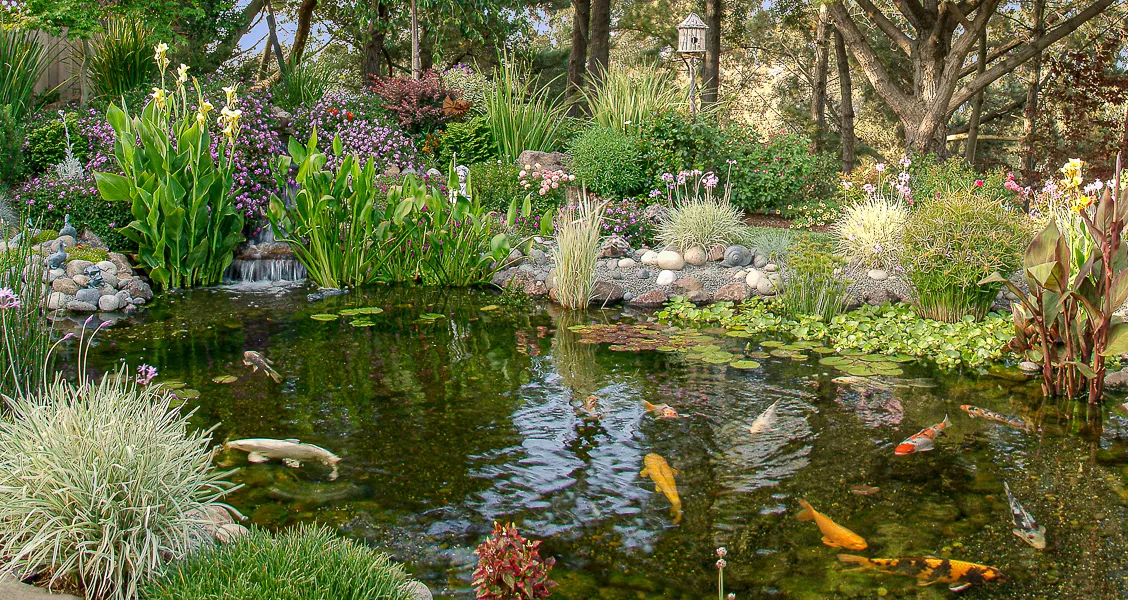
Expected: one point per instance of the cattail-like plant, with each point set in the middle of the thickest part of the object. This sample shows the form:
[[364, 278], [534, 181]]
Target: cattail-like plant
[[577, 247]]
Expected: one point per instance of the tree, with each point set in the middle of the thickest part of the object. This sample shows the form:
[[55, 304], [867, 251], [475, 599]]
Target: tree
[[818, 80], [577, 59], [847, 100], [712, 71], [599, 41], [943, 34]]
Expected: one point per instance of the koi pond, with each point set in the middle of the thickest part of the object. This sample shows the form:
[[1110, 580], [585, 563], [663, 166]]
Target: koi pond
[[451, 410]]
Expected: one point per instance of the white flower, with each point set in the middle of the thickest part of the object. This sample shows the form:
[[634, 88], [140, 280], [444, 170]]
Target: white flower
[[231, 97]]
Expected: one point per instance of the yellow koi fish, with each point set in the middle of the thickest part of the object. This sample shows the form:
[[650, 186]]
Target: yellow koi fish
[[834, 535], [662, 410], [959, 575], [663, 476]]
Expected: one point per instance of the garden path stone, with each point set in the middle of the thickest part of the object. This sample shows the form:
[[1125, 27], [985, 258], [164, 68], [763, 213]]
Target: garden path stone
[[14, 590], [877, 274]]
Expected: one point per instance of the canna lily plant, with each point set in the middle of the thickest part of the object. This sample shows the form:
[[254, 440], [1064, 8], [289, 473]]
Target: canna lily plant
[[185, 223], [1077, 279]]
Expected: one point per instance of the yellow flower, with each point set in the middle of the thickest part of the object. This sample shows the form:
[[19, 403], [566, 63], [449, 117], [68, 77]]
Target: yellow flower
[[231, 97], [1082, 202], [230, 120], [1072, 173], [201, 119], [159, 97], [206, 108], [182, 74], [159, 56]]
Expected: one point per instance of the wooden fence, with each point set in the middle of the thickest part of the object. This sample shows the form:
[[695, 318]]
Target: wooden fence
[[63, 74]]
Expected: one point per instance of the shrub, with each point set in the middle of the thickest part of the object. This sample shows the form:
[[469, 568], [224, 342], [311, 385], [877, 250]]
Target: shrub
[[607, 161], [871, 232], [521, 115], [627, 98], [510, 567], [627, 219], [471, 85], [696, 217], [100, 483], [812, 286], [496, 184], [772, 241], [675, 141], [304, 563], [11, 147], [362, 127], [953, 242], [303, 84], [468, 141], [45, 143], [416, 103], [577, 246], [48, 201], [120, 59]]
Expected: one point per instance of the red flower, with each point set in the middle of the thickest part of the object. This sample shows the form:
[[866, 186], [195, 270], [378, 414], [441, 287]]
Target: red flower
[[978, 183], [350, 116]]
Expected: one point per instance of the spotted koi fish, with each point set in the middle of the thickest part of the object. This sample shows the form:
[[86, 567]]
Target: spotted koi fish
[[662, 410], [982, 413], [924, 440], [959, 575], [258, 362], [1025, 527]]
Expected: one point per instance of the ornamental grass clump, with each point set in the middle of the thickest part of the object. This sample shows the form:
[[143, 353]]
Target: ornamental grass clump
[[813, 285], [520, 114], [307, 562], [697, 217], [120, 59], [953, 242], [871, 233], [577, 249], [101, 484], [626, 98]]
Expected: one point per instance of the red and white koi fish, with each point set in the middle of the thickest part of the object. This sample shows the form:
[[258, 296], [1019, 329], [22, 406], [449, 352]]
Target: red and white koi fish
[[924, 440]]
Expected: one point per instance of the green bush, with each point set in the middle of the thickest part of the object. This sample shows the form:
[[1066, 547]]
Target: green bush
[[46, 142], [496, 184], [812, 287], [468, 140], [608, 162], [11, 147], [953, 242], [102, 484], [120, 59], [304, 563], [48, 201]]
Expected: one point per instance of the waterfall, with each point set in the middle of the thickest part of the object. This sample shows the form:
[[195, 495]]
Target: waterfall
[[265, 270]]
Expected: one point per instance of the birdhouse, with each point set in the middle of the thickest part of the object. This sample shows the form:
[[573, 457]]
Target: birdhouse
[[691, 35]]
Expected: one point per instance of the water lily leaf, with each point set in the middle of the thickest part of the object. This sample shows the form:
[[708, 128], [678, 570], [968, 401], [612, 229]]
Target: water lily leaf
[[173, 384], [781, 353], [894, 372], [744, 364], [822, 350], [851, 352], [432, 316], [736, 333], [860, 371], [324, 317], [718, 358], [772, 344], [799, 356], [225, 379], [834, 361], [187, 394], [367, 310], [362, 323], [759, 355], [489, 307], [666, 349], [705, 349], [872, 358], [904, 358]]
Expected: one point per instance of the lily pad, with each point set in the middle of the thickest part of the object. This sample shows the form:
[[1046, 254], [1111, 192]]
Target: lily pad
[[781, 353], [225, 379], [834, 361], [744, 364], [860, 371], [718, 358], [758, 355], [736, 333], [432, 316], [489, 307], [822, 350], [324, 317], [772, 344], [362, 323], [187, 394], [367, 310], [173, 384]]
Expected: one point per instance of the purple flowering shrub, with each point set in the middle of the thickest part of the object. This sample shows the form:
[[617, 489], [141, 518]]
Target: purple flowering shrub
[[364, 131], [48, 201], [255, 149], [626, 218]]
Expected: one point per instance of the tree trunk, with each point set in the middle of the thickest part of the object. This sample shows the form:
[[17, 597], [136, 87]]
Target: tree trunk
[[301, 35], [374, 45], [264, 62], [1030, 114], [577, 60], [415, 62], [976, 106], [847, 100], [272, 26], [599, 46], [818, 83], [426, 48], [712, 72]]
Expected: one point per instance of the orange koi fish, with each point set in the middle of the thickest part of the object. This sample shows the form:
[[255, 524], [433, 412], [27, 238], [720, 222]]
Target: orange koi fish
[[982, 413], [662, 410], [834, 535], [959, 575], [662, 474], [924, 440]]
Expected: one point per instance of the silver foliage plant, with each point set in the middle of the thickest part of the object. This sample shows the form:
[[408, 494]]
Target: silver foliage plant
[[71, 167], [101, 485]]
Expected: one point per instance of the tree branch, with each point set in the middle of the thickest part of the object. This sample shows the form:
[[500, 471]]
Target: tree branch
[[991, 116], [917, 16], [226, 47], [869, 61], [887, 27], [1025, 53], [998, 52]]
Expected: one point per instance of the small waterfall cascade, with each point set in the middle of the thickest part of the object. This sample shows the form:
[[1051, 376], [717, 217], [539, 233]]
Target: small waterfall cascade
[[264, 260]]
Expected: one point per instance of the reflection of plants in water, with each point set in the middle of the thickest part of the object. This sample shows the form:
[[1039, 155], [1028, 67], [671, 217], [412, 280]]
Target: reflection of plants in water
[[575, 361]]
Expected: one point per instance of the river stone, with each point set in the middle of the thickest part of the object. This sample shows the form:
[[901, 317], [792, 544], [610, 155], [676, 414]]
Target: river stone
[[65, 285], [612, 264], [392, 170], [548, 161], [666, 277], [1117, 379], [699, 297], [123, 298], [716, 252], [81, 307], [688, 284], [108, 290], [65, 239], [82, 280], [109, 269], [229, 532], [122, 264], [537, 255], [109, 303], [91, 240], [89, 295], [765, 286], [626, 263], [652, 298], [58, 300], [418, 591], [614, 246], [606, 293], [877, 274], [771, 268], [1027, 366], [754, 277], [643, 274], [76, 267], [760, 261], [696, 256], [737, 291], [649, 257], [627, 296], [54, 274], [139, 289], [668, 259]]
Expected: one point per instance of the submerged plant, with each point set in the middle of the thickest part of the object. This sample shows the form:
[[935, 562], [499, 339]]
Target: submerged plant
[[511, 568], [577, 248], [871, 232]]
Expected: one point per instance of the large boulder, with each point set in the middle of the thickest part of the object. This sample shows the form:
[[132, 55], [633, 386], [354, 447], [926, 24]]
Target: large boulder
[[65, 285], [139, 289], [651, 299], [76, 267], [552, 161], [605, 293], [737, 291], [90, 295]]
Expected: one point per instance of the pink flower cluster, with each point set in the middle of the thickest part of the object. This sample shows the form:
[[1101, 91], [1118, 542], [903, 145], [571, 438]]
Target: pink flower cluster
[[535, 175], [362, 132], [8, 299]]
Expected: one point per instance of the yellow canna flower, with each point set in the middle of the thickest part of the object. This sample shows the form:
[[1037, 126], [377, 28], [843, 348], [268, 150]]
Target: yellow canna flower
[[159, 56], [206, 108], [231, 97], [201, 119], [159, 97], [182, 74], [229, 118], [1072, 174]]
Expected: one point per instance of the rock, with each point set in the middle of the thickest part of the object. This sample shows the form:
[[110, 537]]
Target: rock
[[754, 277], [123, 281], [229, 532], [392, 170], [65, 239], [627, 296], [696, 256], [605, 293], [877, 274], [11, 589], [89, 295], [108, 290], [612, 264], [666, 277], [688, 284], [129, 309], [65, 285], [551, 161], [649, 257], [123, 298], [1117, 379], [650, 299], [515, 257], [139, 289], [643, 274], [699, 297], [538, 256], [655, 213], [614, 246], [91, 240], [138, 301], [109, 303], [626, 263], [58, 300], [1033, 367], [617, 275], [765, 287], [54, 274], [878, 296], [418, 591], [81, 280], [771, 268], [716, 252], [737, 291], [122, 264], [81, 307], [109, 269], [760, 261], [76, 267], [668, 259]]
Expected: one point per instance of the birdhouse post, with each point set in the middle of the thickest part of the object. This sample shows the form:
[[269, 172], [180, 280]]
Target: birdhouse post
[[691, 46]]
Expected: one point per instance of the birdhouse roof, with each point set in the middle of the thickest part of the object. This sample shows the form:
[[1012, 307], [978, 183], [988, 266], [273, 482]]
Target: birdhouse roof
[[692, 22]]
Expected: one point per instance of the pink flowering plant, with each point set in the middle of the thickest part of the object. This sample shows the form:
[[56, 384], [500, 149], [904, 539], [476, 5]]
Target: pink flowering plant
[[627, 219], [364, 128]]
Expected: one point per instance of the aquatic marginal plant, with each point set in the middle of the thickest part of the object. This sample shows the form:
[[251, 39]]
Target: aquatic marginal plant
[[577, 246], [510, 567]]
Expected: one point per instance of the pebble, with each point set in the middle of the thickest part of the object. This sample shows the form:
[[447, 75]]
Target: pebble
[[771, 268], [626, 263], [649, 257], [754, 277], [643, 274], [696, 256], [877, 274], [760, 261], [666, 277], [1029, 367], [109, 303], [765, 286]]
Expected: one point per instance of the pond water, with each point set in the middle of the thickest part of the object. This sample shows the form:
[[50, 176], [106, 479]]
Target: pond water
[[448, 423]]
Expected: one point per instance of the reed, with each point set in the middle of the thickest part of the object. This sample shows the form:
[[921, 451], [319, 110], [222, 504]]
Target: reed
[[24, 330], [577, 246], [22, 60], [627, 97]]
